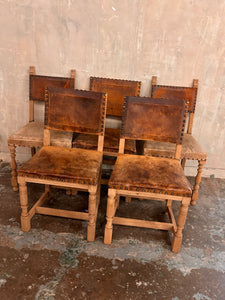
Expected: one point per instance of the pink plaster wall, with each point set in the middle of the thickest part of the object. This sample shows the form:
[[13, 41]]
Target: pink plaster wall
[[177, 40]]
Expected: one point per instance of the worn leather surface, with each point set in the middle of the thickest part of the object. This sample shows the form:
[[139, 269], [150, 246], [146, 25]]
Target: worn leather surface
[[116, 90], [75, 110], [38, 83], [173, 92], [31, 135], [191, 149], [146, 118], [111, 141], [149, 174], [74, 165]]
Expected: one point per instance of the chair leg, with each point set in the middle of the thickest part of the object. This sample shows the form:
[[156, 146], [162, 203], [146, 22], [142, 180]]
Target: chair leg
[[33, 151], [183, 162], [197, 181], [12, 149], [25, 218], [177, 240], [92, 211], [109, 216]]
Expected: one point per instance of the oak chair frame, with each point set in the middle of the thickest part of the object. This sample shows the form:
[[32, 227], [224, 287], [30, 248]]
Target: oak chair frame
[[201, 158], [115, 191], [93, 189], [34, 144]]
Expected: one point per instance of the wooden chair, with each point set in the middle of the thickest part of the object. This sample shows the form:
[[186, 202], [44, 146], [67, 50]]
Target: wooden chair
[[72, 111], [191, 149], [116, 90], [31, 135], [147, 177]]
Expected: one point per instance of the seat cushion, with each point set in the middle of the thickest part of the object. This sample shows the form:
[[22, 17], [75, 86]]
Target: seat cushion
[[149, 174], [190, 149], [111, 141], [64, 164], [31, 135]]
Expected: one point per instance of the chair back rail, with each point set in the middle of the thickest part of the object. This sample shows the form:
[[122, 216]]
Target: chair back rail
[[146, 118], [38, 83], [116, 90], [76, 111], [176, 92]]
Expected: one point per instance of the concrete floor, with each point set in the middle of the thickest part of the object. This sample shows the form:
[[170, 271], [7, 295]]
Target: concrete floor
[[54, 261]]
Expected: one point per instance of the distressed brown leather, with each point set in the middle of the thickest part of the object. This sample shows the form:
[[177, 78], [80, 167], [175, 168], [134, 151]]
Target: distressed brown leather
[[149, 174], [75, 110], [38, 83], [111, 141], [63, 164], [116, 90], [190, 149], [145, 118], [172, 92]]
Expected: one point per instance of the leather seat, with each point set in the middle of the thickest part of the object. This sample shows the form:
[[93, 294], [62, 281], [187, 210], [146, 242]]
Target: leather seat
[[111, 142], [70, 165], [32, 134], [149, 174], [190, 149]]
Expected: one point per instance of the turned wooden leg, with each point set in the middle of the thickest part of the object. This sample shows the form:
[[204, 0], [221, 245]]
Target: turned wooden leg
[[177, 240], [183, 162], [12, 149], [109, 216], [197, 181], [33, 151], [128, 199], [92, 205], [25, 218]]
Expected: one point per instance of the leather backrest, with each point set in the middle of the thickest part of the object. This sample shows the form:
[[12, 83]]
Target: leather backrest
[[75, 110], [38, 83], [173, 92], [146, 118], [116, 90]]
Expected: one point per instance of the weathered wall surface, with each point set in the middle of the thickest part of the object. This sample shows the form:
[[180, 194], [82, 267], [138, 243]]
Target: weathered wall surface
[[178, 40]]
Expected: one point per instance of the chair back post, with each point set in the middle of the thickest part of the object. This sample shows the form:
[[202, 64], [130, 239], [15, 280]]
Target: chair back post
[[31, 102], [100, 143], [47, 137], [191, 114], [178, 152], [73, 74], [154, 80], [121, 146]]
